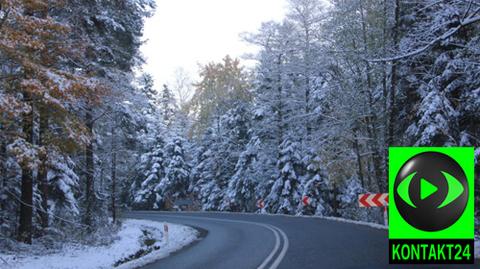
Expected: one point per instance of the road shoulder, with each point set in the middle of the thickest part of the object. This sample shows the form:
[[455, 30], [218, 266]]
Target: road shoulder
[[138, 242]]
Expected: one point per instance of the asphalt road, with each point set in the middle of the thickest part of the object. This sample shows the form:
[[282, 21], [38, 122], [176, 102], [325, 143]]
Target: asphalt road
[[263, 241]]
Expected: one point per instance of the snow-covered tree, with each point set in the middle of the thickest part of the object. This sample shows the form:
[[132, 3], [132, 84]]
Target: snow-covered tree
[[66, 111], [147, 86], [348, 201], [151, 173], [286, 192], [63, 185], [167, 105], [241, 191], [176, 180], [317, 188], [437, 121], [205, 183]]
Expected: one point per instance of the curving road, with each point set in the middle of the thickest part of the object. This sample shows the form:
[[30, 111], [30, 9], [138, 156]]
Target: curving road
[[269, 242]]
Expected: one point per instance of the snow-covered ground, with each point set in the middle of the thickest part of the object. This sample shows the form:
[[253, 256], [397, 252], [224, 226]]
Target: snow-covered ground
[[128, 243]]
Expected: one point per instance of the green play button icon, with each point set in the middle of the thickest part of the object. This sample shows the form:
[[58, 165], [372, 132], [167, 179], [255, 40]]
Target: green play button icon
[[426, 189]]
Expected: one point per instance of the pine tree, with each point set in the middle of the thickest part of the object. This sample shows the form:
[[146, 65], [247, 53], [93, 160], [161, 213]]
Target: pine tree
[[58, 60], [147, 87], [317, 188], [205, 175], [241, 190], [153, 168], [167, 105], [286, 191], [348, 200], [63, 185], [437, 121], [31, 43], [175, 183], [114, 29], [440, 97], [234, 127]]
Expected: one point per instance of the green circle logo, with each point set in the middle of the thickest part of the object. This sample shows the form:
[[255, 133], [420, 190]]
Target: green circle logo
[[431, 191]]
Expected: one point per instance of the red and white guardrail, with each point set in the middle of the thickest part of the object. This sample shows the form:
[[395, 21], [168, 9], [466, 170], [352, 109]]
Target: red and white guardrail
[[375, 200]]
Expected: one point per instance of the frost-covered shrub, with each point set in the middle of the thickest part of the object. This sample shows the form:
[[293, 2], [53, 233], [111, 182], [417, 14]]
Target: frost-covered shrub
[[348, 203]]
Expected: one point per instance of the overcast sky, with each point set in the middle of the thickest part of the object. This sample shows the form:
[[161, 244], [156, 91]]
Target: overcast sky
[[185, 33]]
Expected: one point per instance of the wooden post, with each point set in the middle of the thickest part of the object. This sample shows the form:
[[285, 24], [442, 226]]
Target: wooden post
[[165, 232]]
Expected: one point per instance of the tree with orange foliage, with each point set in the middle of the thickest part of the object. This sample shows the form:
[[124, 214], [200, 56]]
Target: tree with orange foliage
[[37, 48]]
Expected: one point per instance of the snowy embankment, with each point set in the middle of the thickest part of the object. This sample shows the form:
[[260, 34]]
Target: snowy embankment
[[139, 242]]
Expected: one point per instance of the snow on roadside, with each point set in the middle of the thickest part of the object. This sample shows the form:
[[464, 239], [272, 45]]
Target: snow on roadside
[[80, 256], [364, 223]]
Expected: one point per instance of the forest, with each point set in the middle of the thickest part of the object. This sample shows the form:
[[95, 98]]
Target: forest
[[85, 131]]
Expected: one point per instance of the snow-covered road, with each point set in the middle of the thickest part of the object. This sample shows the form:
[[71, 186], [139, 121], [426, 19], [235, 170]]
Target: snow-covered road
[[128, 243]]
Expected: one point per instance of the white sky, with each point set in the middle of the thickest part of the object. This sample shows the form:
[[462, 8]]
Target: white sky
[[185, 33]]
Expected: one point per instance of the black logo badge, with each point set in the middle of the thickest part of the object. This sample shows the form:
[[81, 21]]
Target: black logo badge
[[431, 191]]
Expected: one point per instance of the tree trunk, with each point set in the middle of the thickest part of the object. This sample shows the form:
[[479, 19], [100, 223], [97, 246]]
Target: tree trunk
[[42, 171], [114, 174], [335, 205], [307, 109], [394, 79], [372, 118], [280, 104], [376, 157], [307, 83], [89, 172], [26, 211], [3, 166], [359, 158], [384, 64]]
